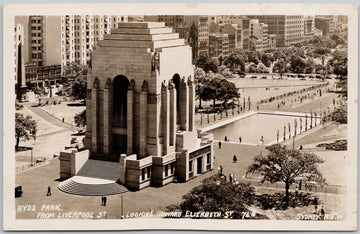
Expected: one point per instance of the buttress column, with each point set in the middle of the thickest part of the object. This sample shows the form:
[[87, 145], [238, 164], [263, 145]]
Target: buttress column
[[184, 105]]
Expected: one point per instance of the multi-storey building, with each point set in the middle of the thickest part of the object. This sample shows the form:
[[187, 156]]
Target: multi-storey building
[[289, 29], [309, 28], [225, 45], [18, 50], [260, 32], [327, 23], [80, 33], [31, 74], [215, 44], [44, 40], [245, 33], [234, 34], [272, 41]]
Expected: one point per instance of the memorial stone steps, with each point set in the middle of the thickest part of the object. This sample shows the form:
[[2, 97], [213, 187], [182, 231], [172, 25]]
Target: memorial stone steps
[[95, 178]]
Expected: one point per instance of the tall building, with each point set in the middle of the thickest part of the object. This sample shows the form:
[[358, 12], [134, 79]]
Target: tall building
[[260, 32], [234, 35], [44, 40], [80, 33], [289, 29], [18, 51], [309, 24], [328, 23]]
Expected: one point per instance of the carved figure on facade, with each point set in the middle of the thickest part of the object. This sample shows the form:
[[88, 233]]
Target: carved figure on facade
[[183, 82], [190, 83], [163, 86], [132, 85], [155, 61], [108, 84], [96, 83], [144, 87], [171, 85]]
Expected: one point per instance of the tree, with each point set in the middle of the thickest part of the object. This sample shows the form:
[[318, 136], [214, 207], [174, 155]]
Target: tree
[[252, 57], [261, 68], [339, 114], [208, 63], [297, 64], [219, 89], [339, 62], [280, 67], [24, 128], [251, 68], [218, 195], [236, 61], [80, 119], [76, 75], [265, 59], [282, 164], [200, 80]]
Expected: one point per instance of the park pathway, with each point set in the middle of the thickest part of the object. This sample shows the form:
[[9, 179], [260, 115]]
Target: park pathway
[[48, 117]]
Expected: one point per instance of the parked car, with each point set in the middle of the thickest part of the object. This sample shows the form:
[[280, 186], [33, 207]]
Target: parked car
[[263, 77], [18, 191], [253, 77]]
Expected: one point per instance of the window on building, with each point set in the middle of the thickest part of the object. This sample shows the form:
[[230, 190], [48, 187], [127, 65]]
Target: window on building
[[148, 171], [172, 168], [190, 166], [166, 170], [143, 174], [208, 158]]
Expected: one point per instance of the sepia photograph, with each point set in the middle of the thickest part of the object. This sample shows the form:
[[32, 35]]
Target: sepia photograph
[[180, 116]]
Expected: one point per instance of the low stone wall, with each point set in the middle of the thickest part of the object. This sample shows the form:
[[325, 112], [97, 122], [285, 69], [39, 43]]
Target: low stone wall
[[71, 161]]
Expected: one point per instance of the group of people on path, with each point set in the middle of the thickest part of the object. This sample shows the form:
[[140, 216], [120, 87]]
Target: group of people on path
[[232, 177], [227, 139]]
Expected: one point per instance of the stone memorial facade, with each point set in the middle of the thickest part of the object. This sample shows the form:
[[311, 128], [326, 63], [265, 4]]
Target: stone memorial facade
[[140, 107]]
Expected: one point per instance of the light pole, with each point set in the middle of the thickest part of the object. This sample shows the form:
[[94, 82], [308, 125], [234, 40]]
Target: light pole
[[32, 164], [293, 142]]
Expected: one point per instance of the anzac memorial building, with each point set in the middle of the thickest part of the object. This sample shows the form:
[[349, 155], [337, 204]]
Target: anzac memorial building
[[140, 107]]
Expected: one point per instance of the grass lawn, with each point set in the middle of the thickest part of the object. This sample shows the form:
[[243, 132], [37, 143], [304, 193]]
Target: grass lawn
[[66, 110]]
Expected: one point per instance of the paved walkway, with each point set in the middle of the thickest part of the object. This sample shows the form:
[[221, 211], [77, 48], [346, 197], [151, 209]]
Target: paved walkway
[[48, 117]]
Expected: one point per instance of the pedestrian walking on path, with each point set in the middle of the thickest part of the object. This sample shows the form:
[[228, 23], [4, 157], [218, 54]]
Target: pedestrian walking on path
[[219, 144], [240, 139], [234, 159], [221, 170], [322, 213], [105, 201], [226, 139], [48, 191], [102, 200], [230, 178]]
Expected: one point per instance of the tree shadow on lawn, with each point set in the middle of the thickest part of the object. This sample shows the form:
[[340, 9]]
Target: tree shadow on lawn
[[278, 200], [22, 148], [81, 103], [80, 133]]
